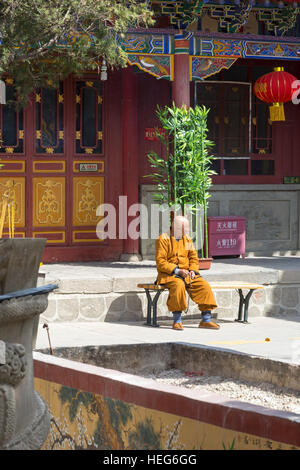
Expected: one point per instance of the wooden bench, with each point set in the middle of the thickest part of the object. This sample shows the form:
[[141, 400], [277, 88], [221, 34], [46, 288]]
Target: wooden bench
[[229, 285]]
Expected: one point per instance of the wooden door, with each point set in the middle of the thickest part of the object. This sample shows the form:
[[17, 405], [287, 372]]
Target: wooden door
[[53, 162]]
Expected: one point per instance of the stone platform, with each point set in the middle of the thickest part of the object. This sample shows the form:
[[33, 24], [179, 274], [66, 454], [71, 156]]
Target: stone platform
[[108, 292]]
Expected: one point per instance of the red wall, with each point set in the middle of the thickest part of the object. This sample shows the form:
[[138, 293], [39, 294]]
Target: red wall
[[145, 92], [151, 92], [285, 134]]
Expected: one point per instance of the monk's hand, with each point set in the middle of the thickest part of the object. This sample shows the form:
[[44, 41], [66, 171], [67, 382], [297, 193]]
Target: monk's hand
[[183, 272], [192, 274]]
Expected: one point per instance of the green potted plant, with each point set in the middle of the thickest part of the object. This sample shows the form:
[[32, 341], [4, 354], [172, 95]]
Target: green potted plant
[[183, 175]]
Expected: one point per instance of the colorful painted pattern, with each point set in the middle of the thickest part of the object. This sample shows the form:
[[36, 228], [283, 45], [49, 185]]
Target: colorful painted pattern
[[270, 50], [203, 67], [281, 20], [147, 43], [157, 44], [244, 49], [233, 17], [84, 420], [182, 13], [160, 66], [154, 53], [228, 48]]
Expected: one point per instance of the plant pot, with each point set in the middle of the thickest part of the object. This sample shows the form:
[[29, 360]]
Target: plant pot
[[204, 263]]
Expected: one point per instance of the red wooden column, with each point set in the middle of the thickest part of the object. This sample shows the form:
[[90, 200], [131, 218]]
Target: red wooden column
[[129, 162], [181, 82]]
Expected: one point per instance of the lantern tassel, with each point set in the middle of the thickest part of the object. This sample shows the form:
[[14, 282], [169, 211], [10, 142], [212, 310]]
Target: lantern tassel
[[277, 112]]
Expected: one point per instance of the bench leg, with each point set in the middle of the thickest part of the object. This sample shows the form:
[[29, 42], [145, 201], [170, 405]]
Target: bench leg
[[154, 303], [152, 306], [240, 315], [244, 302]]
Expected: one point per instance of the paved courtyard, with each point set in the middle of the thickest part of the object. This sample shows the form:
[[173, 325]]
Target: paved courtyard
[[276, 335]]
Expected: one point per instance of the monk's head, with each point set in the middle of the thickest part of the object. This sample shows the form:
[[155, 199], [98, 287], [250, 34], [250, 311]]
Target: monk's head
[[180, 226]]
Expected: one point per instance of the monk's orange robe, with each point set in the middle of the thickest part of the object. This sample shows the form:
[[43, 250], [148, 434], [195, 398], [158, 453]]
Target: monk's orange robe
[[171, 254]]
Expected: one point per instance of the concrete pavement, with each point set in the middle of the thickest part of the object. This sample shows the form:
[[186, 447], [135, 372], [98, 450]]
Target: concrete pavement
[[272, 338], [275, 335]]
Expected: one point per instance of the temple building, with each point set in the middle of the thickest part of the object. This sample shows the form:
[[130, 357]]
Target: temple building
[[85, 144]]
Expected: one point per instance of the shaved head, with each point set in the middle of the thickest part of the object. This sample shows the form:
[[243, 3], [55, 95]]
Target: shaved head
[[180, 226]]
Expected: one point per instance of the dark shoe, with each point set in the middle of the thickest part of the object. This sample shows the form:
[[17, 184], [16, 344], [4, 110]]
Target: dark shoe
[[210, 325]]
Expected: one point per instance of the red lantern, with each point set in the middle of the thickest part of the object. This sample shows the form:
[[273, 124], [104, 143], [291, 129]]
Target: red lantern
[[277, 88]]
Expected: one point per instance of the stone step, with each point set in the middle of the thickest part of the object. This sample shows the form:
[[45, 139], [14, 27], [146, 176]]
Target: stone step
[[108, 291], [280, 299]]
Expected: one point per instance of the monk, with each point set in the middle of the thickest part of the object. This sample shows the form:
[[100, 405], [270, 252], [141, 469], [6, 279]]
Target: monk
[[178, 269]]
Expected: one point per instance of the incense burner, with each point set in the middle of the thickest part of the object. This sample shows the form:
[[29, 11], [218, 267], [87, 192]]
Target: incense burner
[[24, 417]]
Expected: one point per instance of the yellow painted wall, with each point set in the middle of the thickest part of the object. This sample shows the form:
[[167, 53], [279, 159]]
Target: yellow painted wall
[[81, 420]]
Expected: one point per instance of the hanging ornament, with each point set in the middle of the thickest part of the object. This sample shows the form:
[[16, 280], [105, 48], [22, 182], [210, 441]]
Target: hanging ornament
[[103, 75], [2, 92], [276, 88]]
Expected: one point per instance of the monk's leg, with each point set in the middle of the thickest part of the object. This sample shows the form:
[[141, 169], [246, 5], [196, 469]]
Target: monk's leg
[[176, 301], [177, 295], [202, 295]]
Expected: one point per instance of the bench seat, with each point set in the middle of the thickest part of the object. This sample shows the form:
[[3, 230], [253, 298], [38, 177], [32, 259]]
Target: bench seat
[[250, 287]]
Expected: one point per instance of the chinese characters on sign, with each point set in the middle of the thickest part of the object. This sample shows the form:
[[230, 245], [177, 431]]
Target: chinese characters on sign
[[226, 243], [227, 236], [88, 167], [151, 133], [227, 225]]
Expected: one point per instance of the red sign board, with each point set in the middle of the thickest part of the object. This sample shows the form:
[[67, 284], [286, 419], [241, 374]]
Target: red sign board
[[151, 133], [227, 236]]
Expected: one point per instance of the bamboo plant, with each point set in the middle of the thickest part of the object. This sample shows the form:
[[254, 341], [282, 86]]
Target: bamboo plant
[[183, 175]]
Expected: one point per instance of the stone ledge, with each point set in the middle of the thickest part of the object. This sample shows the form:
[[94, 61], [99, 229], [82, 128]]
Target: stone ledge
[[84, 286], [258, 277], [129, 284], [289, 277], [132, 306]]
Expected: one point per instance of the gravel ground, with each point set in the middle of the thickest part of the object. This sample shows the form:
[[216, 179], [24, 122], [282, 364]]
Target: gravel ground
[[264, 394]]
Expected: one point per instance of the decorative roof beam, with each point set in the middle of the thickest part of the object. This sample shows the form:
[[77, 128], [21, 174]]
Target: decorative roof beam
[[278, 16], [279, 21], [232, 18], [182, 13]]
